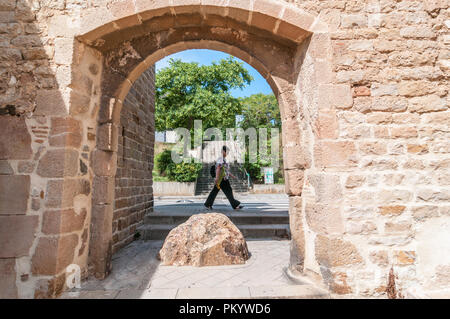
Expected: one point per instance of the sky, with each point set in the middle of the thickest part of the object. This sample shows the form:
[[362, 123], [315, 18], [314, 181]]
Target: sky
[[206, 57]]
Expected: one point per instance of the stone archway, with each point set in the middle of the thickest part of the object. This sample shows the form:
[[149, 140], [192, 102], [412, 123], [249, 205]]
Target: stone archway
[[365, 104], [287, 46]]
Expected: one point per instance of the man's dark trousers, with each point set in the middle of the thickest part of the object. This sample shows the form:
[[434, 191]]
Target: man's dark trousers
[[226, 187]]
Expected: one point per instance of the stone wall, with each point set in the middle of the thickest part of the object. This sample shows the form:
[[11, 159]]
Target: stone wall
[[173, 189], [363, 93], [45, 180], [133, 193], [382, 156]]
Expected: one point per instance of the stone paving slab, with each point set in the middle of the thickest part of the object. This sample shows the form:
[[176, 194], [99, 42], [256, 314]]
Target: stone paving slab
[[137, 273], [288, 292], [214, 293], [91, 294]]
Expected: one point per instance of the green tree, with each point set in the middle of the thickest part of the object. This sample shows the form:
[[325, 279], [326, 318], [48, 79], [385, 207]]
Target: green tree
[[259, 111], [262, 111], [187, 91]]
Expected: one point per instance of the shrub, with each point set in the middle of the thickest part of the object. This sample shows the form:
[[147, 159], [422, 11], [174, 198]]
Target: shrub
[[162, 160], [183, 172]]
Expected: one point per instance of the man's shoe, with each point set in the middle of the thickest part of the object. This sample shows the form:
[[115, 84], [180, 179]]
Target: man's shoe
[[239, 207], [208, 207]]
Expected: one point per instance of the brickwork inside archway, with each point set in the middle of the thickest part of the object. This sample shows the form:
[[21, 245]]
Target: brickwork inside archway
[[133, 197], [363, 93]]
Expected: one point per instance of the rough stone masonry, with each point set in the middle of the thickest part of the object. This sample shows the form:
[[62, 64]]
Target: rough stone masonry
[[363, 93]]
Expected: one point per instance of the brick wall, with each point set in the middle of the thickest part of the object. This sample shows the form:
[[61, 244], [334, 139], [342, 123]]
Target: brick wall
[[134, 193]]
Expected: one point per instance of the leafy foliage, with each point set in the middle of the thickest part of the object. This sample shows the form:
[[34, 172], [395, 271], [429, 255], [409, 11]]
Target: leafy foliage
[[167, 170], [162, 160], [262, 111], [183, 172], [187, 91], [259, 111]]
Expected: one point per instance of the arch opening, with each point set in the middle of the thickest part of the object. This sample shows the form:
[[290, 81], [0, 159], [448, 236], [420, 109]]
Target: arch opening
[[288, 63]]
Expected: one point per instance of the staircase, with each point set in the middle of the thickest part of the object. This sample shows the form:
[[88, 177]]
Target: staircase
[[210, 152], [252, 224], [205, 182]]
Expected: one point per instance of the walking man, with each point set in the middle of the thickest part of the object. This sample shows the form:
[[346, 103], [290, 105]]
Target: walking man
[[222, 182]]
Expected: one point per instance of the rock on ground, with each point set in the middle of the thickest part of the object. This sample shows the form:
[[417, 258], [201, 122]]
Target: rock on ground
[[204, 240]]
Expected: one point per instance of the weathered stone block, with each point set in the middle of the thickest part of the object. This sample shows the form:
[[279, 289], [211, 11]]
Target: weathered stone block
[[324, 219], [50, 103], [291, 132], [8, 288], [429, 103], [374, 148], [393, 228], [63, 50], [327, 125], [107, 137], [335, 96], [63, 221], [335, 154], [297, 256], [354, 21], [104, 163], [294, 182], [101, 240], [417, 32], [404, 132], [61, 193], [50, 288], [296, 157], [16, 140], [65, 132], [103, 190], [417, 148], [14, 194], [379, 257], [403, 257], [416, 88], [383, 89], [388, 104], [421, 213], [53, 254], [58, 163], [392, 210], [336, 252], [5, 168], [17, 235], [327, 188], [361, 91], [392, 196], [354, 181]]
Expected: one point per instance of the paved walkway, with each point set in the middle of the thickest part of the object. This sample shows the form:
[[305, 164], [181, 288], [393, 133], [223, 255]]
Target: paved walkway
[[262, 203], [138, 274]]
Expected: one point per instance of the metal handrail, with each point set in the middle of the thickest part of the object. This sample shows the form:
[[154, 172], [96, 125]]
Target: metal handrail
[[249, 181]]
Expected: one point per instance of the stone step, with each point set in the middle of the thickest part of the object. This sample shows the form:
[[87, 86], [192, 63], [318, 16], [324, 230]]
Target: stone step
[[160, 231], [205, 182], [240, 218]]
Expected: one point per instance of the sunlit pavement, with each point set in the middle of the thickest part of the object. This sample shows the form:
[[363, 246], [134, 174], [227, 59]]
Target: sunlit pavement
[[251, 202], [138, 274]]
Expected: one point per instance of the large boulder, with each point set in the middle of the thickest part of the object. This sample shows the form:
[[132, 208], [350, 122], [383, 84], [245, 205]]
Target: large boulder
[[204, 240]]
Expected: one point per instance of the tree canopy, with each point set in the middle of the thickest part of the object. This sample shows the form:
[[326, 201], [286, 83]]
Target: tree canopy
[[260, 110], [188, 91]]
